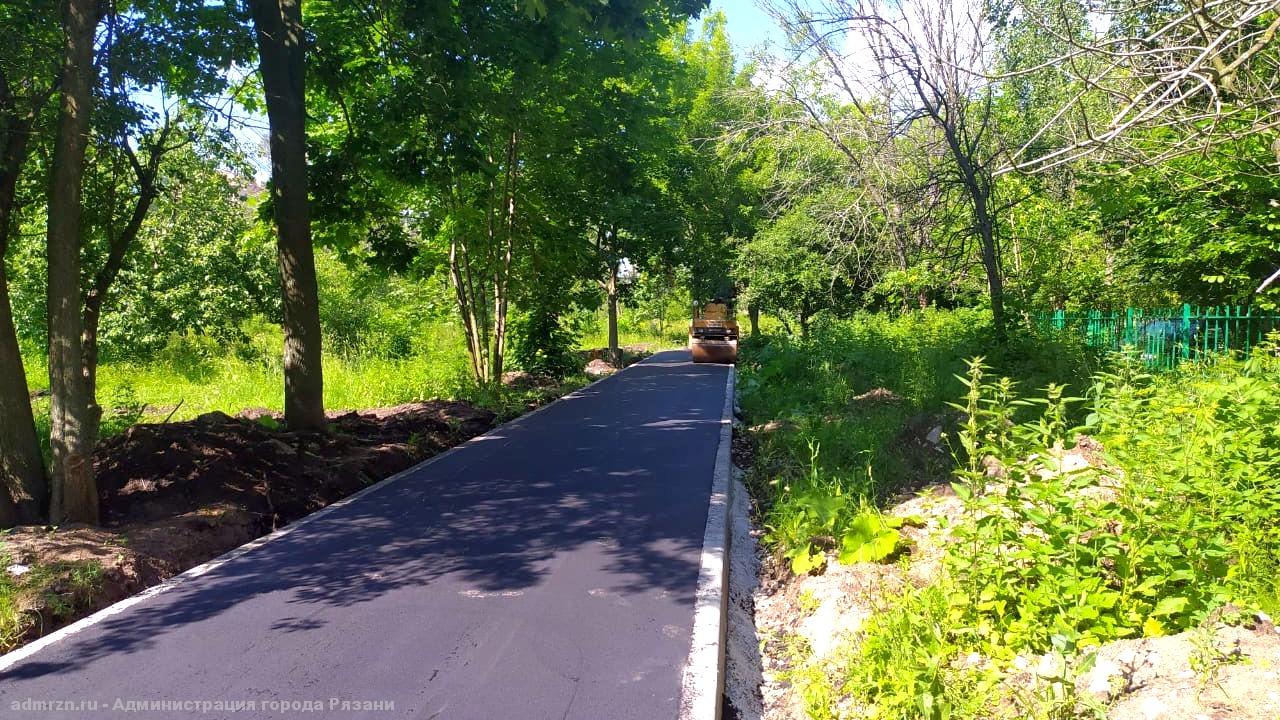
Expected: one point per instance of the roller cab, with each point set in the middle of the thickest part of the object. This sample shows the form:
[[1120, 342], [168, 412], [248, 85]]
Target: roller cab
[[713, 334]]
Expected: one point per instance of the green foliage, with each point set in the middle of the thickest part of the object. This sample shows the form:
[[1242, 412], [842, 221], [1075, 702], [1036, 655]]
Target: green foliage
[[545, 345], [1163, 515], [371, 313], [1200, 229], [818, 393], [786, 270], [814, 514], [657, 303], [199, 266], [637, 325], [904, 665], [1068, 558]]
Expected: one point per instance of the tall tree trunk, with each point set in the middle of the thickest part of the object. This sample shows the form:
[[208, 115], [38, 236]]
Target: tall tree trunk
[[21, 468], [753, 316], [977, 183], [282, 62], [502, 275], [470, 323], [990, 261], [74, 496], [23, 485], [611, 290]]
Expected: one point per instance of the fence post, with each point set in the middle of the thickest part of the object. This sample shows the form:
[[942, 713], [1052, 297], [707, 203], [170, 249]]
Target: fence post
[[1184, 344]]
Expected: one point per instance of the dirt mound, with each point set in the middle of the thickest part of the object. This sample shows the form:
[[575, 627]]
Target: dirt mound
[[1216, 671], [154, 472], [599, 368], [631, 354]]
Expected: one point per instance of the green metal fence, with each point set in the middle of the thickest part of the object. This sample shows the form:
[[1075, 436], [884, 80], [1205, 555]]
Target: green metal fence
[[1165, 337]]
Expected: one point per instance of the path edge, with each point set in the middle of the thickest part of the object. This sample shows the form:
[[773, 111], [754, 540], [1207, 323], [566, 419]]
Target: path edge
[[13, 657], [702, 682]]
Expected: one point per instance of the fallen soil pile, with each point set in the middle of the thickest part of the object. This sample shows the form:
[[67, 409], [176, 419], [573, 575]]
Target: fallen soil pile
[[598, 364], [174, 495], [159, 471]]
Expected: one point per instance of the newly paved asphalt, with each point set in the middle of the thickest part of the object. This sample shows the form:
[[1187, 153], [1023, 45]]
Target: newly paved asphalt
[[546, 571]]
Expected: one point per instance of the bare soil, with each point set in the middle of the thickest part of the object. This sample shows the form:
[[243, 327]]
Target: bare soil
[[598, 364], [1216, 671], [174, 495]]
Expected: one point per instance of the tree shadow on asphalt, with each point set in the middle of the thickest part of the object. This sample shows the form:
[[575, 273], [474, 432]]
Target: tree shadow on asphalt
[[494, 517]]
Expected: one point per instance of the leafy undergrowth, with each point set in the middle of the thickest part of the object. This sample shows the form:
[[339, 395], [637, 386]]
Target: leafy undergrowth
[[851, 417], [1126, 509]]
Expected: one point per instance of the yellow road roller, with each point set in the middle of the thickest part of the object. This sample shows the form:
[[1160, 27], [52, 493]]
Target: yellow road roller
[[713, 334]]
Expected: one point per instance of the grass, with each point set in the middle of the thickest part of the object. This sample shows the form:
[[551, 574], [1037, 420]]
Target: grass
[[54, 592], [194, 375], [1175, 526], [633, 330], [842, 402], [132, 392], [202, 376]]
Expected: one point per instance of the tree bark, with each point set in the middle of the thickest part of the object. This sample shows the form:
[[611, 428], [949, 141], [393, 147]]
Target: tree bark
[[282, 62], [21, 467], [611, 290], [502, 274], [74, 496], [981, 195], [753, 316], [470, 323], [611, 294], [23, 486], [977, 183]]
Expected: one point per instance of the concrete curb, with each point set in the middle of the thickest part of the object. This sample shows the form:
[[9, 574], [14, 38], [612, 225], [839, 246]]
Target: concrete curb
[[702, 685], [13, 657]]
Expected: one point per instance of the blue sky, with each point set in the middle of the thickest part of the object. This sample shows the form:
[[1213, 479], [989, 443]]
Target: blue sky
[[749, 26]]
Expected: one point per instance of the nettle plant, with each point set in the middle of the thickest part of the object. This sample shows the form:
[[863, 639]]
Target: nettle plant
[[1058, 555], [814, 514]]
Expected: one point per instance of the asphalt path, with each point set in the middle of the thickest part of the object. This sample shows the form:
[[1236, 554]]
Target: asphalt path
[[545, 570]]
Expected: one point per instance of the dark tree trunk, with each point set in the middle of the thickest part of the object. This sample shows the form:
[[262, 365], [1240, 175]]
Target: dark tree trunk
[[23, 485], [22, 496], [74, 496], [282, 57], [753, 316], [611, 290], [977, 183], [990, 254]]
